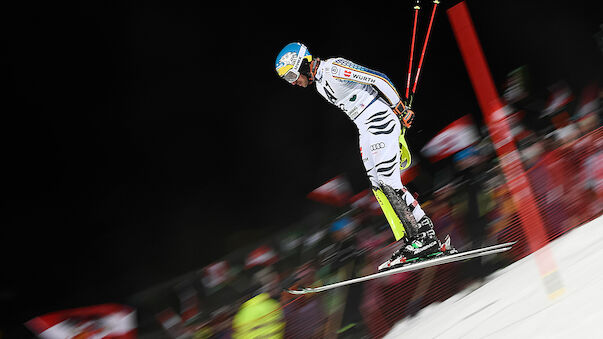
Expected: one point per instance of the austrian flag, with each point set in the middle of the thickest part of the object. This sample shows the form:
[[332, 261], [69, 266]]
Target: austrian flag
[[347, 73], [455, 137], [336, 192], [106, 321]]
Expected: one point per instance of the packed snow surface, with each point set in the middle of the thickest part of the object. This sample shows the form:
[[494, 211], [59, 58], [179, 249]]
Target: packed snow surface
[[521, 302]]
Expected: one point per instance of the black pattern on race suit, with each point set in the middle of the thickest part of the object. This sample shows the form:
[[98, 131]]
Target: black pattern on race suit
[[386, 168]]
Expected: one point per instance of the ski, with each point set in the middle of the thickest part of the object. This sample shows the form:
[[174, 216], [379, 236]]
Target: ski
[[412, 267]]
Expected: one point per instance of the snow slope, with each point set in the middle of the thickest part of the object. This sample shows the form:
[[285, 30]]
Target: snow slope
[[514, 303]]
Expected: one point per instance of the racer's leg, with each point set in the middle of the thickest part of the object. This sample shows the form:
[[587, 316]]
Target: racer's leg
[[371, 172], [379, 130]]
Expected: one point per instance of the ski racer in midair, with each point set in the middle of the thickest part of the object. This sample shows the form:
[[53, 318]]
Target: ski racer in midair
[[371, 101]]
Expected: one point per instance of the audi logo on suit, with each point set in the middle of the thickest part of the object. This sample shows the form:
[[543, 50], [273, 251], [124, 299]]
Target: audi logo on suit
[[377, 146]]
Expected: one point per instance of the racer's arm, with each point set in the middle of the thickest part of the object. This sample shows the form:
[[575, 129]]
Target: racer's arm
[[379, 81], [360, 74]]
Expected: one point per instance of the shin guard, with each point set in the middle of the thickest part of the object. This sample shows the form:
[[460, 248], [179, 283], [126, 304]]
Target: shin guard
[[390, 214], [397, 202]]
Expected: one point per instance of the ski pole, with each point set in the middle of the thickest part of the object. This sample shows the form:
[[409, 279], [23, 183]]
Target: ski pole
[[414, 88], [412, 45]]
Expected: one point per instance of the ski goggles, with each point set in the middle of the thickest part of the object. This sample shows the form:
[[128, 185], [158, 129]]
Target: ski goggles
[[291, 76]]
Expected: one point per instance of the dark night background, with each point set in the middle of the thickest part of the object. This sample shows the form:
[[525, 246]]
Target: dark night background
[[144, 140]]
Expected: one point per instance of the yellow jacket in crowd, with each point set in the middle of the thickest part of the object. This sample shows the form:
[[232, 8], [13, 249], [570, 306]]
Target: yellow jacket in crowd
[[259, 317]]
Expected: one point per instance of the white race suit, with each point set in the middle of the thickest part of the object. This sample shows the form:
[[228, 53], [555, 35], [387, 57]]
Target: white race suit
[[367, 97]]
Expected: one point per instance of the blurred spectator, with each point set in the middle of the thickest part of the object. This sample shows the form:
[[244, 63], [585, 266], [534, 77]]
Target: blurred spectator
[[586, 160], [261, 265], [341, 257], [547, 193], [593, 179], [262, 256], [504, 218], [587, 114], [377, 293], [440, 210], [472, 202], [588, 123], [172, 324], [342, 246], [215, 275], [559, 100], [259, 317], [304, 310]]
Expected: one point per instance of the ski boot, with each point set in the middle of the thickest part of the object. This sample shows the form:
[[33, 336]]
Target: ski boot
[[425, 245]]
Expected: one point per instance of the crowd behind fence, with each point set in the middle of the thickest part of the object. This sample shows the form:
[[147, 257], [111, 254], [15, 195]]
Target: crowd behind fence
[[562, 165]]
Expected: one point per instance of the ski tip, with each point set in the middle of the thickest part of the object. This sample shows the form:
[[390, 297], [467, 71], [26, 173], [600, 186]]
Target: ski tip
[[299, 292], [505, 244]]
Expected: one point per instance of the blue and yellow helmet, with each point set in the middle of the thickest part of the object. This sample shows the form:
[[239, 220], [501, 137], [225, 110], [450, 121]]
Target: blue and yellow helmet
[[290, 59]]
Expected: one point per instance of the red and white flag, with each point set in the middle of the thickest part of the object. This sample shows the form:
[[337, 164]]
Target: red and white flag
[[106, 321], [366, 200], [262, 256], [589, 101], [215, 274], [560, 96], [172, 323], [336, 191], [455, 137]]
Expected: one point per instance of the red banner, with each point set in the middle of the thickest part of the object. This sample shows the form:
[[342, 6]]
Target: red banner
[[455, 137], [336, 192], [100, 321]]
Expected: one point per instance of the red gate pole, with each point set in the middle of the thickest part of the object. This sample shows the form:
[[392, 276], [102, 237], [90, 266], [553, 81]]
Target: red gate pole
[[493, 110]]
